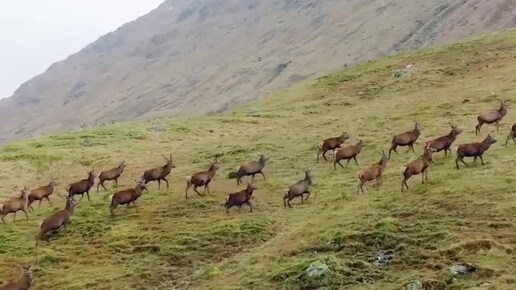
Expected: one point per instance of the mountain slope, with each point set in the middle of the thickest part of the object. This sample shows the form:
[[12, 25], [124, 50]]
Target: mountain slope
[[195, 57], [168, 242]]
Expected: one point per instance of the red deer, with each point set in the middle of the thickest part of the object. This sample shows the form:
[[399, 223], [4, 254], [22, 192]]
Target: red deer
[[512, 135], [372, 173], [202, 178], [127, 196], [14, 205], [475, 150], [57, 220], [111, 174], [331, 144], [252, 168], [240, 198], [405, 139], [492, 116], [445, 142], [298, 189], [348, 152], [417, 166], [22, 283], [83, 186], [41, 193], [159, 173]]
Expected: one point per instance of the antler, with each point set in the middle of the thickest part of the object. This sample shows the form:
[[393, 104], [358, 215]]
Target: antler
[[58, 194]]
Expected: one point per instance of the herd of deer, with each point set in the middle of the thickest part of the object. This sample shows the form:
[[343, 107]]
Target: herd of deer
[[129, 196]]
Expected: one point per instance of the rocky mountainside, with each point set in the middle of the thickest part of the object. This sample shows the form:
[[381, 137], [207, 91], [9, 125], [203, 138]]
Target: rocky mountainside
[[196, 57]]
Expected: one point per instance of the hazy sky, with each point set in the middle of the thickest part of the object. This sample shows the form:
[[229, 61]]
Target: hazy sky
[[36, 33]]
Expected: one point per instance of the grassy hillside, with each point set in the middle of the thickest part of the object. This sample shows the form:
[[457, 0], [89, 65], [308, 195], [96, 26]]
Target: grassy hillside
[[465, 215]]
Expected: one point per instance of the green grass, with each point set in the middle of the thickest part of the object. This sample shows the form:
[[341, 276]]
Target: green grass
[[465, 215]]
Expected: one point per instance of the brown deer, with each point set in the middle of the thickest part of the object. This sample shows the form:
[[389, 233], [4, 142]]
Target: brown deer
[[417, 166], [202, 178], [492, 116], [372, 173], [252, 168], [111, 174], [15, 204], [445, 142], [347, 153], [475, 150], [299, 188], [83, 186], [159, 173], [41, 193], [57, 220], [512, 135], [405, 139], [240, 198], [127, 196], [331, 144], [22, 283]]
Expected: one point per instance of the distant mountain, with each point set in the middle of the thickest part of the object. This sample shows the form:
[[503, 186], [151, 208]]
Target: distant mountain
[[196, 57]]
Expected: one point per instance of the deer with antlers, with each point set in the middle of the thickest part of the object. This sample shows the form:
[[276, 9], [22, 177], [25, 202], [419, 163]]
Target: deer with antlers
[[159, 173], [372, 173], [22, 283], [82, 186], [202, 178], [492, 116], [111, 174], [445, 142], [14, 205], [57, 220]]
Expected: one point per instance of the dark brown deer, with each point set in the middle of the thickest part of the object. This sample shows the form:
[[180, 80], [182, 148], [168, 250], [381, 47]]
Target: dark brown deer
[[445, 142], [83, 186], [57, 220], [111, 174], [252, 168], [127, 196], [347, 153], [15, 204], [512, 135], [202, 178], [41, 193], [372, 173], [417, 166], [475, 150], [405, 139], [492, 116], [22, 283], [331, 144], [299, 188], [240, 198], [159, 173]]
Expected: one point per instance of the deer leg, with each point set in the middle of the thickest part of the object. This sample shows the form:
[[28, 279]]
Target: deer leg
[[206, 187], [462, 160], [238, 181], [307, 195], [263, 175], [88, 195], [446, 152], [2, 217], [116, 182], [14, 217], [514, 139], [423, 177], [102, 184], [324, 155], [250, 206], [393, 148], [481, 160], [111, 209], [475, 160], [39, 204], [49, 202], [302, 198], [355, 158], [195, 189], [477, 128], [252, 177], [159, 183], [164, 179], [497, 125], [288, 202]]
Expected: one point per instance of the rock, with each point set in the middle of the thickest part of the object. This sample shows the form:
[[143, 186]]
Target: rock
[[384, 257], [155, 128], [462, 270], [416, 285], [316, 269]]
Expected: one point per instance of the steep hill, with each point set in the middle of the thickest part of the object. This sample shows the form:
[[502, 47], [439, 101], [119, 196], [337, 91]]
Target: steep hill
[[458, 216], [190, 58]]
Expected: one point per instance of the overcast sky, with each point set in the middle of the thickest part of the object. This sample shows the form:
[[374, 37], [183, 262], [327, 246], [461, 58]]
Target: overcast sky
[[36, 33]]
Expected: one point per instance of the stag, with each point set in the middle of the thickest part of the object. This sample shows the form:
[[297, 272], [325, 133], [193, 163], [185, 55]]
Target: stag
[[372, 173], [417, 166], [512, 135], [492, 116], [445, 142], [475, 150], [240, 198], [347, 153], [22, 283], [57, 220], [14, 205], [252, 168], [405, 139], [111, 174], [82, 186], [299, 188], [127, 196], [159, 173], [41, 193], [202, 178], [331, 144]]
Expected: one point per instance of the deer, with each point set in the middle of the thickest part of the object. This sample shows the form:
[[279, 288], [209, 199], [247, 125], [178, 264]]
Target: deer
[[299, 188], [475, 150], [492, 116], [331, 144], [41, 193], [57, 220], [14, 205], [202, 178], [82, 186], [512, 135], [111, 174], [252, 168], [127, 196], [159, 173], [22, 283], [420, 165], [240, 198], [445, 142], [348, 152], [372, 173], [405, 139]]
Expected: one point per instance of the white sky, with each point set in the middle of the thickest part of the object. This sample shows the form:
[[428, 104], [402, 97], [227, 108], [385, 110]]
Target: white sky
[[36, 33]]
